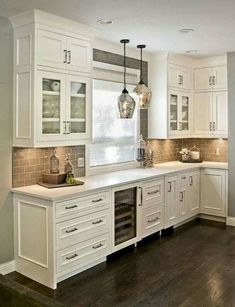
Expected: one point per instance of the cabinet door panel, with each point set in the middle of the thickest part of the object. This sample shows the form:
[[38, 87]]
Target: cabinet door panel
[[203, 113], [202, 79], [213, 192], [194, 193], [220, 78], [179, 77], [173, 76], [50, 106], [171, 211], [79, 55], [51, 49], [78, 98], [220, 113]]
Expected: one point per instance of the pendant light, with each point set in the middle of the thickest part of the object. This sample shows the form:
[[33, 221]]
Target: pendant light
[[141, 89], [126, 104]]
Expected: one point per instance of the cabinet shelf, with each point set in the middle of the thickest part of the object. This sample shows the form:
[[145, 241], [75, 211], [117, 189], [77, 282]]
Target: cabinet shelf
[[78, 95], [44, 119], [51, 93]]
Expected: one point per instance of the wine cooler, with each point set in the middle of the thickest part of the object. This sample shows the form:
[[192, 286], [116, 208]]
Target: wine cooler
[[126, 203]]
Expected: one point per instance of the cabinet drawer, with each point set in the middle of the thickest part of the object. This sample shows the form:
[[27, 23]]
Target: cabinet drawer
[[83, 253], [153, 192], [82, 228], [153, 219], [183, 179], [79, 205]]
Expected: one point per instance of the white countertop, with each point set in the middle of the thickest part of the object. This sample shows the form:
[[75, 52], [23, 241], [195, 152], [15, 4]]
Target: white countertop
[[108, 180]]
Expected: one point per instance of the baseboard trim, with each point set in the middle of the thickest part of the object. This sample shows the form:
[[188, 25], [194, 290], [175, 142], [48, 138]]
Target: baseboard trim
[[212, 217], [230, 221], [7, 267]]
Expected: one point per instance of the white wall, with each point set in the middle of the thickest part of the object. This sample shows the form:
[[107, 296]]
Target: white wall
[[6, 212]]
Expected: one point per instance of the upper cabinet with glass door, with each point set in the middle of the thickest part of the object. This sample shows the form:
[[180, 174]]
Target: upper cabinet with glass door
[[63, 107], [179, 113], [52, 80]]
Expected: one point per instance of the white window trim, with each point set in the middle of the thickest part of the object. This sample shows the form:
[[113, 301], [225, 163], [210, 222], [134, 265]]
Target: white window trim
[[95, 170]]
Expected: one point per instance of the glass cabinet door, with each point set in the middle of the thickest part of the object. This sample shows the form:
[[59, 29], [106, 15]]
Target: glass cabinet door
[[51, 123], [174, 116], [125, 215], [51, 98], [78, 97], [184, 124]]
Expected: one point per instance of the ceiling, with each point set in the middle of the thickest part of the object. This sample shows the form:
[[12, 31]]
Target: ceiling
[[153, 22]]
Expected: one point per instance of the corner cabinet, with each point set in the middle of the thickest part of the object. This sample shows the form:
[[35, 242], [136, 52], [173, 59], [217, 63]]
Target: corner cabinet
[[214, 192], [52, 81]]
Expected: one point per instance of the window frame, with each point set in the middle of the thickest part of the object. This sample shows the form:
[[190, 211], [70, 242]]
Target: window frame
[[100, 169]]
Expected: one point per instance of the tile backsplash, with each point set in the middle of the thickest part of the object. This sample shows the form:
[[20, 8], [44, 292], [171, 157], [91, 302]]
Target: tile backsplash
[[30, 163], [168, 150]]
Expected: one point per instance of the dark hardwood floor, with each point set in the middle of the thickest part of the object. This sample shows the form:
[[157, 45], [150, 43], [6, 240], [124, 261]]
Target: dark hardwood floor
[[194, 266]]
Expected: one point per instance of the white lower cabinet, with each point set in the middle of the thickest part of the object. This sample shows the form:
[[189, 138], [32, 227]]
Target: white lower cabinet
[[213, 192], [171, 206], [57, 239]]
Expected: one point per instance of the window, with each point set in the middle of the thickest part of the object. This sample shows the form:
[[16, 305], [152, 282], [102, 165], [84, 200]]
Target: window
[[114, 139]]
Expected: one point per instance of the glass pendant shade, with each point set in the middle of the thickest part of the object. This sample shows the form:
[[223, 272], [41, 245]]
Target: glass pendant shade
[[144, 94], [141, 89], [126, 104]]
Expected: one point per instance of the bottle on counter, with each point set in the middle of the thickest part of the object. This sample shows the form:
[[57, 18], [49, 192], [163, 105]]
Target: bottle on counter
[[68, 168], [54, 164]]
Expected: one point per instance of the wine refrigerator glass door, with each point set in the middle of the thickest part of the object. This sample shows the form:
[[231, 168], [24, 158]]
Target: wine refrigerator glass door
[[125, 214]]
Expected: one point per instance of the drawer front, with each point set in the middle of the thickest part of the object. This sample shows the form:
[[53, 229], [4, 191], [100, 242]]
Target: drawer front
[[183, 179], [80, 205], [153, 219], [83, 253], [153, 192], [82, 228]]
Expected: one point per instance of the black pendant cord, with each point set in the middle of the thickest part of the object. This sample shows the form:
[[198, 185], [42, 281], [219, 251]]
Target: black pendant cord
[[124, 81], [141, 47]]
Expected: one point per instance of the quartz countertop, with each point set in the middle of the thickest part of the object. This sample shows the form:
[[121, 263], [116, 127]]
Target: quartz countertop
[[112, 179]]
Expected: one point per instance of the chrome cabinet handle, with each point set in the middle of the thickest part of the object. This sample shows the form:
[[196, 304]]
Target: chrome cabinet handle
[[71, 207], [97, 200], [97, 222], [191, 180], [210, 80], [65, 56], [97, 246], [141, 197], [154, 192], [214, 126], [71, 257], [184, 177], [181, 79], [71, 230], [210, 126], [213, 80], [153, 220], [69, 57], [169, 186], [182, 196], [180, 126], [68, 127], [64, 128]]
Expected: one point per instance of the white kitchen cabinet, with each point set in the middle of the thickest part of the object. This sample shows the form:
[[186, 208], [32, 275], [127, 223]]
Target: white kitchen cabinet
[[179, 113], [210, 78], [179, 77], [63, 52], [213, 192], [211, 114], [171, 205], [194, 193], [52, 87]]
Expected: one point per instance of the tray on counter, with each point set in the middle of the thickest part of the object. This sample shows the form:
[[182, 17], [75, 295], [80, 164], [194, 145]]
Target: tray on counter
[[192, 161], [59, 185]]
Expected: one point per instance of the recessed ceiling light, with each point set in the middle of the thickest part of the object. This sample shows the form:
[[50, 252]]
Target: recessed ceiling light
[[105, 21], [191, 51], [186, 30]]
